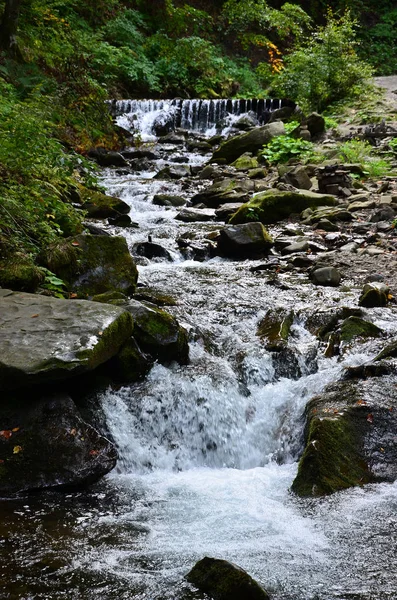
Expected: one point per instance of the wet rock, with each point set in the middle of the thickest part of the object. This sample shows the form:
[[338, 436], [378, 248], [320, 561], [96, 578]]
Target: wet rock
[[326, 225], [274, 205], [46, 339], [374, 294], [368, 370], [159, 333], [173, 172], [224, 212], [350, 437], [168, 200], [163, 123], [248, 142], [93, 264], [172, 138], [354, 327], [191, 215], [246, 122], [151, 250], [301, 246], [199, 145], [390, 351], [224, 192], [110, 297], [247, 239], [130, 363], [121, 221], [18, 272], [106, 158], [134, 153], [49, 446], [223, 580], [275, 328], [101, 206], [327, 276]]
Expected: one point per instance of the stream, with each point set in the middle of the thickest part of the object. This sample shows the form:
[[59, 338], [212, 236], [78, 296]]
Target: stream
[[208, 451]]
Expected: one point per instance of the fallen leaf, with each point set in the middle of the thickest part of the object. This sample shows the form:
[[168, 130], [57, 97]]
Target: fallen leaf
[[361, 403], [75, 244], [17, 449], [72, 295], [16, 429], [6, 433], [100, 332], [73, 431], [34, 316], [370, 418], [94, 452]]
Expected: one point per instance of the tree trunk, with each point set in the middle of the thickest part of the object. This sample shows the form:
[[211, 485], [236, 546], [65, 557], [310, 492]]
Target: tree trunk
[[9, 26]]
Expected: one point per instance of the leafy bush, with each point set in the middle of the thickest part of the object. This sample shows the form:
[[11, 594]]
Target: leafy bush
[[283, 147], [325, 68]]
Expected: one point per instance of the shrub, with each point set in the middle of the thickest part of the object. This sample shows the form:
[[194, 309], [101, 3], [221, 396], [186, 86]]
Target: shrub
[[358, 151]]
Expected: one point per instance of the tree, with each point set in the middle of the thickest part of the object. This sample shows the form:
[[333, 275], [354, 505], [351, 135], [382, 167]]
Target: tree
[[9, 25]]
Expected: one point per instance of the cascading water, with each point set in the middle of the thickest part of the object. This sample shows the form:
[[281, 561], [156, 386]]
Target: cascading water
[[207, 452], [205, 116]]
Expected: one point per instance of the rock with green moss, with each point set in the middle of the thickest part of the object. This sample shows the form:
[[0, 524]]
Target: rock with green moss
[[349, 437], [46, 444], [223, 192], [354, 327], [110, 297], [159, 333], [223, 580], [275, 327], [130, 363], [274, 205], [248, 239], [248, 142], [46, 339], [374, 294], [18, 272], [93, 264], [101, 206], [245, 162]]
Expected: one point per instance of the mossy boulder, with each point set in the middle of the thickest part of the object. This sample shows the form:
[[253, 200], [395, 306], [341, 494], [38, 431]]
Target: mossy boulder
[[101, 206], [44, 443], [245, 162], [275, 327], [354, 327], [374, 294], [224, 192], [223, 580], [248, 142], [93, 264], [248, 239], [274, 205], [46, 339], [159, 333], [350, 437], [130, 363], [19, 273]]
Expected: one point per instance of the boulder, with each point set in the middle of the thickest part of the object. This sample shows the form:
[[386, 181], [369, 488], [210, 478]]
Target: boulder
[[315, 124], [275, 328], [224, 192], [122, 221], [158, 333], [168, 200], [107, 158], [245, 162], [173, 172], [192, 215], [45, 443], [354, 327], [163, 123], [298, 177], [45, 339], [248, 142], [374, 294], [328, 276], [274, 205], [350, 437], [101, 206], [130, 363], [18, 272], [223, 580], [244, 240], [93, 264], [151, 250]]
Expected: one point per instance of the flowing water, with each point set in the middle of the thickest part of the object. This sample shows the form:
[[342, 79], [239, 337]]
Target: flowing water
[[208, 452]]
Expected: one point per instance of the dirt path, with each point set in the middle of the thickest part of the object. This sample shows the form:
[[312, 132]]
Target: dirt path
[[389, 84]]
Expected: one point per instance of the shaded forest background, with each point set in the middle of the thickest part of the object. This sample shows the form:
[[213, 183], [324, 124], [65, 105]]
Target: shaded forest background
[[61, 59]]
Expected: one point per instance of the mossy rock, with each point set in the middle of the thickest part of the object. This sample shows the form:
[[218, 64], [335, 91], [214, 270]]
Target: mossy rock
[[349, 437], [109, 297], [273, 205], [275, 327], [93, 264], [374, 294], [130, 363], [248, 142], [101, 206], [245, 162], [223, 580], [46, 444], [159, 333], [19, 273], [354, 327]]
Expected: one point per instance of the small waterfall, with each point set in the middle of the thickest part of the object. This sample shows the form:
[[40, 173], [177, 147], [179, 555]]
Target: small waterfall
[[146, 116]]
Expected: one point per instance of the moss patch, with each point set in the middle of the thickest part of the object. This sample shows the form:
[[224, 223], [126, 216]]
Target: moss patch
[[20, 273], [354, 327]]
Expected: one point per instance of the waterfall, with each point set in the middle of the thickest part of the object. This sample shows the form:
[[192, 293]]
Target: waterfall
[[191, 114]]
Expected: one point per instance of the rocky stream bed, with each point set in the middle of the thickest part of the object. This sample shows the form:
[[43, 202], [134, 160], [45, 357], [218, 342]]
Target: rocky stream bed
[[240, 367]]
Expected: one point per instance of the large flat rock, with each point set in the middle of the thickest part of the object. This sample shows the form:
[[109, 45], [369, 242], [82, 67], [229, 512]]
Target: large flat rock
[[44, 339]]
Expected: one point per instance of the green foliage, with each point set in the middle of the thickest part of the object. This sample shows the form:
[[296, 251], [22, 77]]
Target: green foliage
[[53, 284], [325, 68], [379, 45], [283, 147], [359, 151]]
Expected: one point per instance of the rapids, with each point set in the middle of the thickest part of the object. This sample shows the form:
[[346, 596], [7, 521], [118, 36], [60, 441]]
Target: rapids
[[208, 452]]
